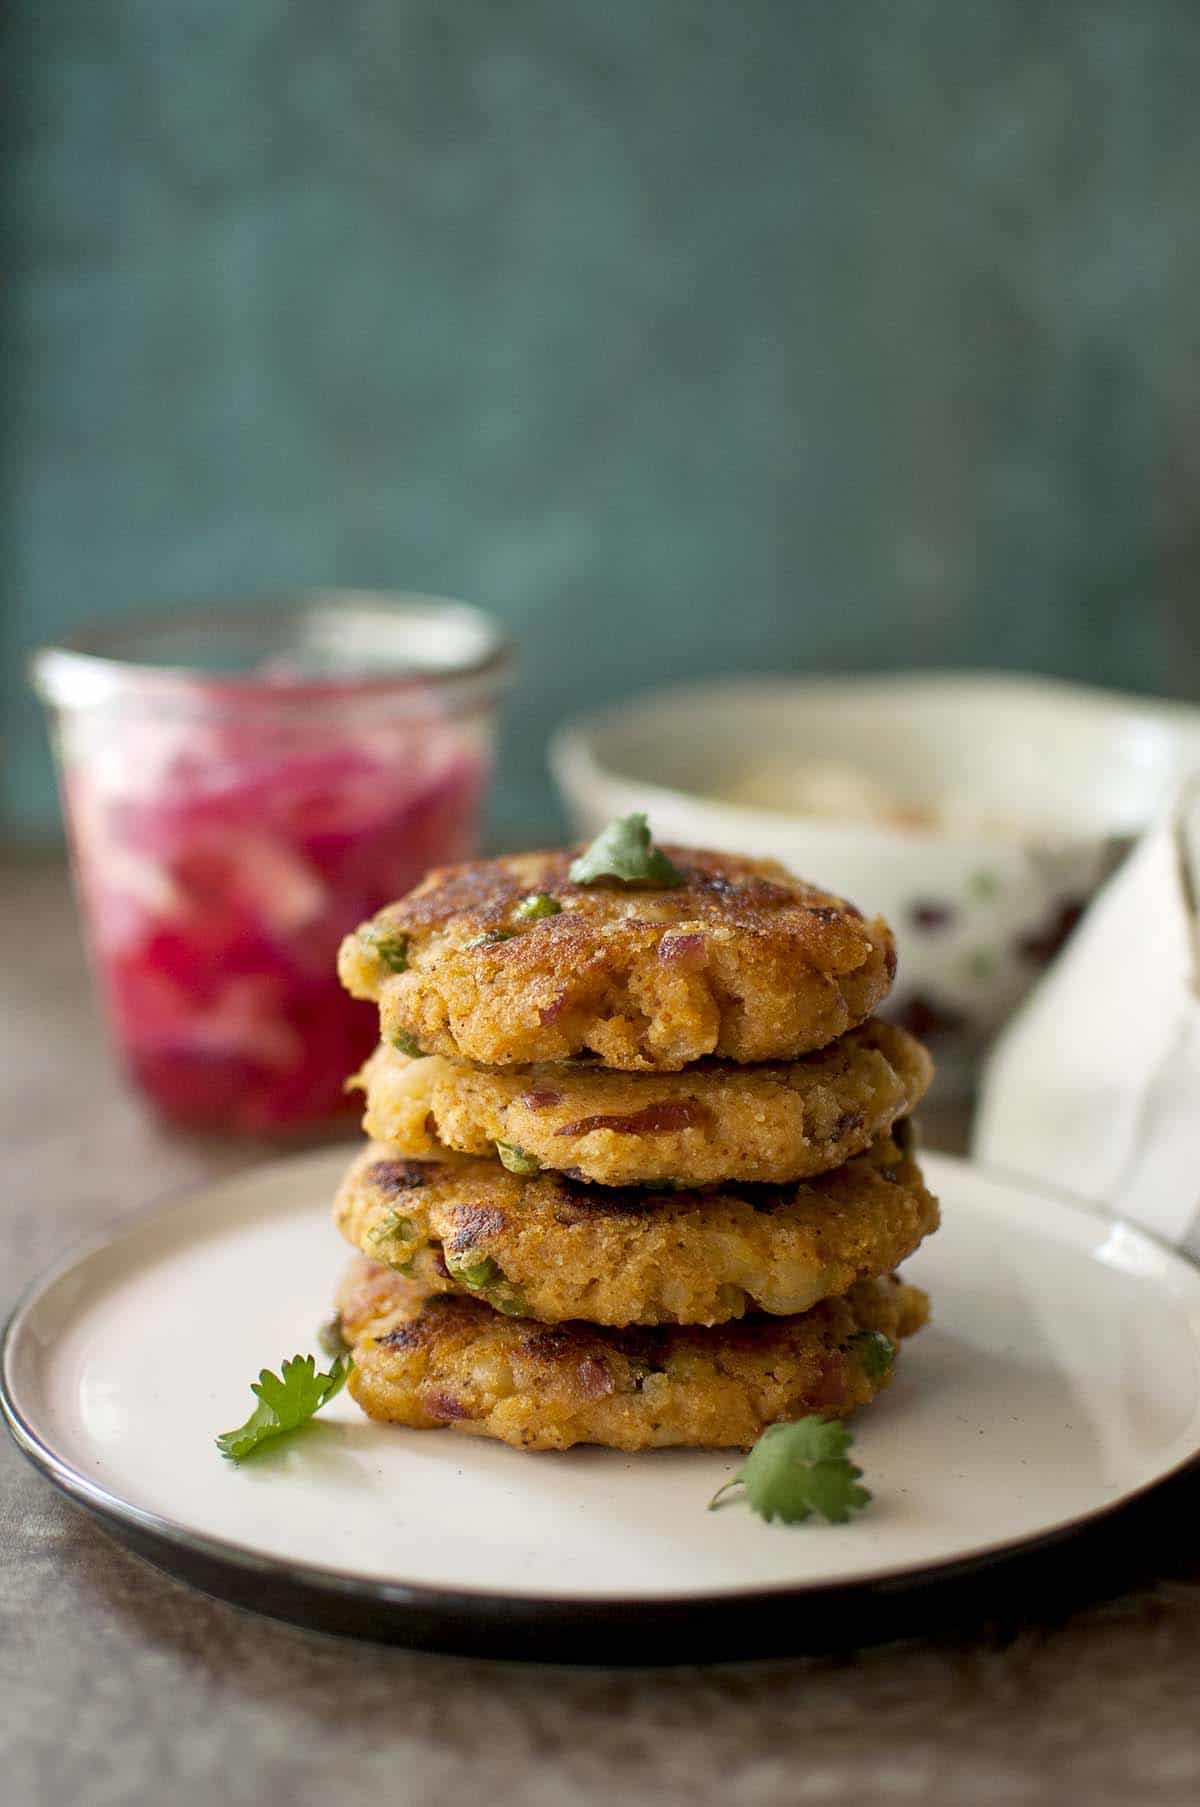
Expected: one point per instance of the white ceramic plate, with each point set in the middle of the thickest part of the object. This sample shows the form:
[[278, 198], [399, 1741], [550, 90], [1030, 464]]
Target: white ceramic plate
[[1061, 1376]]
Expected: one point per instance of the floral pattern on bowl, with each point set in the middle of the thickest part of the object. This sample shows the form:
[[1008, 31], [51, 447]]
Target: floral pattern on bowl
[[977, 916]]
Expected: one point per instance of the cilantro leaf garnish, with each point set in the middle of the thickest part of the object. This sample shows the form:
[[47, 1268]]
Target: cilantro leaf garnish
[[624, 851], [285, 1401], [797, 1469], [392, 949], [537, 905], [408, 1044], [517, 1159], [875, 1351]]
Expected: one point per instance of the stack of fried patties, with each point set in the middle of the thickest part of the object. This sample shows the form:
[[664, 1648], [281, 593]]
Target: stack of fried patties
[[639, 1172]]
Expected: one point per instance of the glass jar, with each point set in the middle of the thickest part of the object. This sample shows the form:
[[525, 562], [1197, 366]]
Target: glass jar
[[241, 789]]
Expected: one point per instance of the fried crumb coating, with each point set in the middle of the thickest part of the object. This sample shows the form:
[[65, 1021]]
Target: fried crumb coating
[[741, 961], [452, 1361], [714, 1121], [548, 1247]]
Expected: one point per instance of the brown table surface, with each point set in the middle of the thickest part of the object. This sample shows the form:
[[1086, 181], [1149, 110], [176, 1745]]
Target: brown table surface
[[118, 1684]]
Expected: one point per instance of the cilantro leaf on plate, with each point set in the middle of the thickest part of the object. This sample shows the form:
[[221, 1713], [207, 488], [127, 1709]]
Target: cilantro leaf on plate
[[624, 851], [285, 1400], [797, 1469]]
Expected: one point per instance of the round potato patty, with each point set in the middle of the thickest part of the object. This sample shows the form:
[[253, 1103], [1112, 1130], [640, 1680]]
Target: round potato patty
[[452, 1361], [741, 961], [552, 1248], [715, 1121]]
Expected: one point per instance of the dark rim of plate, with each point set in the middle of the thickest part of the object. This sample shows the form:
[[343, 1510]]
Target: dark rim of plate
[[629, 1631]]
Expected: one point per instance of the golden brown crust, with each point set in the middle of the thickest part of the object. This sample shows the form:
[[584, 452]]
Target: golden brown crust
[[554, 1249], [369, 1291], [713, 1122], [452, 1361], [741, 961]]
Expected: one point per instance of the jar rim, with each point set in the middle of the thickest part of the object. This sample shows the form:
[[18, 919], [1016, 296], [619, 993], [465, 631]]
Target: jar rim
[[436, 643]]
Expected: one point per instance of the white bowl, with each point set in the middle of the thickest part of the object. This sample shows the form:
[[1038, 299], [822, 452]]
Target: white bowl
[[977, 914]]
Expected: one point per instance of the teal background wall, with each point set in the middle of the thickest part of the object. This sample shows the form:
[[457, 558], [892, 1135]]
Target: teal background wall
[[688, 336]]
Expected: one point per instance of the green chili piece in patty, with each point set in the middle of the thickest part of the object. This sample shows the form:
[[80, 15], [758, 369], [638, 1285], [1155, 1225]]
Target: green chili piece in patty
[[392, 949], [875, 1351], [516, 1159], [474, 1270], [537, 905]]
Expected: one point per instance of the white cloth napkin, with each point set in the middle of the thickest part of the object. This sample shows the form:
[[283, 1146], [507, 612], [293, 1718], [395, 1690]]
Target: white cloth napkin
[[1094, 1087]]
